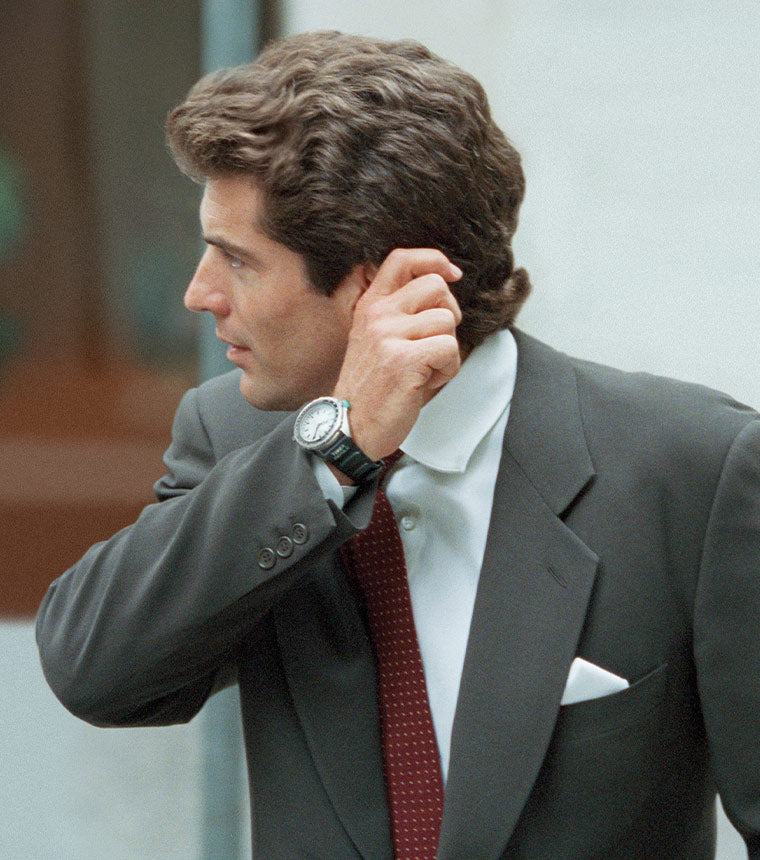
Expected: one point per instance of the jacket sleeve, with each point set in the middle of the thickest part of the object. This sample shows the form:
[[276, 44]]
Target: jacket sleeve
[[142, 628], [727, 635]]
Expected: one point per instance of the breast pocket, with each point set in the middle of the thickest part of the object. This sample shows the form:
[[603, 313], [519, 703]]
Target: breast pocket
[[623, 711], [608, 773]]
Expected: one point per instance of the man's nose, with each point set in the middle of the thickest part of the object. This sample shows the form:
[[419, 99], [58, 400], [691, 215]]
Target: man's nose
[[204, 292]]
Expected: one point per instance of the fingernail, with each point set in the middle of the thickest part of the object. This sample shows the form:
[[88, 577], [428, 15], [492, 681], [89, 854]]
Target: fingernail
[[456, 270]]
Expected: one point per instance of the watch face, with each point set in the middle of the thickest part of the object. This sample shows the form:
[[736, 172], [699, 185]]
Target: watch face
[[317, 422]]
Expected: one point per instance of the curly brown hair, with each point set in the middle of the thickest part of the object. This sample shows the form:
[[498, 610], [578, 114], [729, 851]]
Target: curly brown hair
[[361, 146]]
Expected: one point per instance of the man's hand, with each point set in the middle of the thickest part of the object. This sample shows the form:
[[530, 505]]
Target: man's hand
[[402, 347]]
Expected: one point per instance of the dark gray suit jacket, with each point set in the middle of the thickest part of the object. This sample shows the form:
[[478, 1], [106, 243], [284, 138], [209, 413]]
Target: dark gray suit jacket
[[625, 529]]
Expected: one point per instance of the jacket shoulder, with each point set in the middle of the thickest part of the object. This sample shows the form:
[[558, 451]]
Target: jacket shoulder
[[228, 419], [666, 408], [655, 417]]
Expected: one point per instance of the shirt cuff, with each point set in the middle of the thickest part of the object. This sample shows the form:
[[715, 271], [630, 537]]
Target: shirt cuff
[[329, 484]]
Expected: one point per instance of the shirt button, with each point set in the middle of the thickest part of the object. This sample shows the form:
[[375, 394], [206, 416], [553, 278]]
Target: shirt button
[[408, 522], [267, 558], [300, 533], [284, 546]]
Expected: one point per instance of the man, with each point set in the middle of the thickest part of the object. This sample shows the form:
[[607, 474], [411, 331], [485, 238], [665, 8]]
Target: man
[[582, 545]]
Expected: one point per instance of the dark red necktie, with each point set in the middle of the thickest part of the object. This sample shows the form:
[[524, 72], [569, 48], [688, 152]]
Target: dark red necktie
[[375, 559]]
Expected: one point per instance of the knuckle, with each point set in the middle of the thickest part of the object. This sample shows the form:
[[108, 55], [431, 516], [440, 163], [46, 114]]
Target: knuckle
[[451, 319], [450, 345], [398, 255], [433, 290], [444, 317], [437, 283]]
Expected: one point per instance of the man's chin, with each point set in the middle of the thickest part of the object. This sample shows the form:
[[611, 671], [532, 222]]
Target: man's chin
[[269, 400]]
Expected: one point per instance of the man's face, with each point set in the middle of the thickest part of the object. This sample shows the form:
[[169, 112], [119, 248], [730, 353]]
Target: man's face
[[288, 339]]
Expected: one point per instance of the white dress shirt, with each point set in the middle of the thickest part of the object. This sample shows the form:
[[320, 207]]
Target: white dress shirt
[[441, 492]]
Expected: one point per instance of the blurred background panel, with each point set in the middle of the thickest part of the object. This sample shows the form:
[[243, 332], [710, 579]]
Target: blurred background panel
[[100, 239], [638, 126]]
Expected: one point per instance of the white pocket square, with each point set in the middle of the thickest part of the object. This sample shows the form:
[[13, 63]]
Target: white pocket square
[[587, 681]]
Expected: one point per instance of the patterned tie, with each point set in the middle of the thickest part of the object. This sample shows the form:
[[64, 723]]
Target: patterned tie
[[375, 559]]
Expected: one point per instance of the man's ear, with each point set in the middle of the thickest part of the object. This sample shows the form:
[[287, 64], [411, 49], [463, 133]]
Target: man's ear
[[370, 270], [354, 284]]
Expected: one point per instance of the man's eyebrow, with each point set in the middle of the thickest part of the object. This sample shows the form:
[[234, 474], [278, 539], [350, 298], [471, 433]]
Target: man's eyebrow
[[232, 249]]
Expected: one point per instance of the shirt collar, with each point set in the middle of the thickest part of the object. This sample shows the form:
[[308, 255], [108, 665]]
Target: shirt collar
[[452, 424]]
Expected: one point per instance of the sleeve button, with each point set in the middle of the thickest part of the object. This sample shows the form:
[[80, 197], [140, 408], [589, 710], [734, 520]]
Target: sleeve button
[[300, 533], [284, 547], [267, 558]]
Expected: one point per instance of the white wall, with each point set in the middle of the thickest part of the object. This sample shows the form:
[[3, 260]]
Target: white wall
[[74, 792]]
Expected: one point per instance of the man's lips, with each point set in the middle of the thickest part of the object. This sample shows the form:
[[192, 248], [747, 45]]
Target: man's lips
[[236, 352], [232, 344]]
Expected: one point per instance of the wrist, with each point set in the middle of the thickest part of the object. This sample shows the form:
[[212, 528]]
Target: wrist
[[322, 428], [361, 432], [341, 477]]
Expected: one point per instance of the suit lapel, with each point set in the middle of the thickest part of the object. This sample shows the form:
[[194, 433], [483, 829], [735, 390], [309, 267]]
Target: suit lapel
[[530, 607], [330, 671]]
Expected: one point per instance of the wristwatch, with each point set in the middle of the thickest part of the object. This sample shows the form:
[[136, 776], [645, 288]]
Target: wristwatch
[[322, 428]]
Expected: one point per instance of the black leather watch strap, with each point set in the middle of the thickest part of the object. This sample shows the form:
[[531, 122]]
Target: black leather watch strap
[[353, 462]]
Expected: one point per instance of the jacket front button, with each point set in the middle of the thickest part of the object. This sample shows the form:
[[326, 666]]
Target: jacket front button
[[284, 546], [267, 558], [300, 533]]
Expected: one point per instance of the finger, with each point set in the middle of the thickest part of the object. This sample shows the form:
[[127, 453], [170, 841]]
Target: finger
[[437, 359], [427, 323], [428, 291], [405, 264]]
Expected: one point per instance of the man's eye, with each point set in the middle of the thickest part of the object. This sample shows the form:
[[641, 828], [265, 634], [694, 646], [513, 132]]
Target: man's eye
[[234, 262]]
